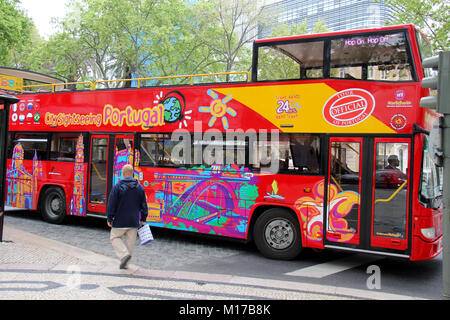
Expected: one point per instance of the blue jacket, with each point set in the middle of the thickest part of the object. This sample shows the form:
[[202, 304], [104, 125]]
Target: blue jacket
[[127, 204]]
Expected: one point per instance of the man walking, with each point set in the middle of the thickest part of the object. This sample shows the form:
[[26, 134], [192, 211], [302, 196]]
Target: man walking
[[126, 211]]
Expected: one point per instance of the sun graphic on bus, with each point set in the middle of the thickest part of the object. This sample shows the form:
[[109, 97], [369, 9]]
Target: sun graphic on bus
[[218, 109]]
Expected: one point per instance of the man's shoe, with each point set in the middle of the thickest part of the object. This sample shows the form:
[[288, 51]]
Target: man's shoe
[[124, 261]]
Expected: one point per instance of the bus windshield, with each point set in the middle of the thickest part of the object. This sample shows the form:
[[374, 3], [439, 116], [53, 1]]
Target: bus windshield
[[425, 51], [431, 178], [381, 56]]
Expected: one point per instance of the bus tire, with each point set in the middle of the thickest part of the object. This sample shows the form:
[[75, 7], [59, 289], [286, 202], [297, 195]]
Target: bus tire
[[53, 205], [277, 234]]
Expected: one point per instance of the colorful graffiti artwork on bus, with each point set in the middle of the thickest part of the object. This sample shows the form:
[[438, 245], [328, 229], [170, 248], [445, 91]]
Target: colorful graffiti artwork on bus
[[311, 211], [22, 185], [122, 157], [340, 204], [274, 194], [78, 199], [311, 214], [215, 200]]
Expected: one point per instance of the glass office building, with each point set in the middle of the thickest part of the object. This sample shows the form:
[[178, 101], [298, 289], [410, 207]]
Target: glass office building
[[336, 14]]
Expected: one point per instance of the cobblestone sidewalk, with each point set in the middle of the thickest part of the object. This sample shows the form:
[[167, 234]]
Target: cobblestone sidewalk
[[33, 267]]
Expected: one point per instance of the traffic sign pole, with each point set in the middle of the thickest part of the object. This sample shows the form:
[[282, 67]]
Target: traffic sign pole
[[5, 100], [444, 107]]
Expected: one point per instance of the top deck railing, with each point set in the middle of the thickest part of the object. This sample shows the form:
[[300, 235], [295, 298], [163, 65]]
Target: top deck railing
[[95, 85]]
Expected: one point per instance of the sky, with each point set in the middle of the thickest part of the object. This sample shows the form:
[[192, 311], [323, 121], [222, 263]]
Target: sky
[[41, 11]]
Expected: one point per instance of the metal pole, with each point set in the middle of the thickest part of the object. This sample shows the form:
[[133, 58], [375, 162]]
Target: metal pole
[[446, 202], [6, 100], [3, 153], [444, 107]]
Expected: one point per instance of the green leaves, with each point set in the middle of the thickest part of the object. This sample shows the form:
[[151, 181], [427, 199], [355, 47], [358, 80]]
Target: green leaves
[[15, 31], [117, 39], [130, 38], [431, 16]]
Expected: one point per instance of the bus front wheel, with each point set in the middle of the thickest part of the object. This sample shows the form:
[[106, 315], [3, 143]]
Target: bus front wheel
[[53, 205], [277, 235]]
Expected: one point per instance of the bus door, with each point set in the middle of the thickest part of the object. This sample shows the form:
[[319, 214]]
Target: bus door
[[109, 153], [343, 213], [98, 173], [390, 194], [367, 194]]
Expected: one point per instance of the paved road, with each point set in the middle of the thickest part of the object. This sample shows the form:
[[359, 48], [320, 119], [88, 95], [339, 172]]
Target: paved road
[[179, 251]]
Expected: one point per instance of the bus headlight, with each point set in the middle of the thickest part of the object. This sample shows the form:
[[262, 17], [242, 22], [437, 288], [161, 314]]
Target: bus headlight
[[429, 233]]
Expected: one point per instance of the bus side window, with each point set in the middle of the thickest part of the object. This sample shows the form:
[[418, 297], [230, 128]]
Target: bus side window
[[290, 61], [306, 153], [147, 151], [296, 154], [33, 144], [63, 147], [156, 151]]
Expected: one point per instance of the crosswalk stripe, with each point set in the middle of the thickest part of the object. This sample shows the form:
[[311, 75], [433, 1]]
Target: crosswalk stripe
[[331, 267]]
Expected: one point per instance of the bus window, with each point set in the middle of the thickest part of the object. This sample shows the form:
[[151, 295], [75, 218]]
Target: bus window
[[375, 57], [33, 143], [425, 52], [147, 151], [345, 165], [345, 176], [123, 154], [305, 153], [63, 147], [156, 151], [291, 61], [228, 152], [391, 190], [431, 179], [296, 153]]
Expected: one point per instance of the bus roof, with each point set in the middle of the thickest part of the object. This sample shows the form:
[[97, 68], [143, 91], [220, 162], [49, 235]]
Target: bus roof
[[336, 33]]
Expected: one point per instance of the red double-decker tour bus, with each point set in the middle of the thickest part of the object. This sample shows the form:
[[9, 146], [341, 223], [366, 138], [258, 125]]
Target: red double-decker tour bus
[[323, 146]]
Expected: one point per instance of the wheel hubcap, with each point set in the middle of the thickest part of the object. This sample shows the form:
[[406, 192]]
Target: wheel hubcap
[[55, 204], [279, 233]]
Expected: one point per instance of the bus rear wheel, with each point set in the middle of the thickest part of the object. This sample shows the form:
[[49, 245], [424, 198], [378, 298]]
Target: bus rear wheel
[[277, 235], [53, 205]]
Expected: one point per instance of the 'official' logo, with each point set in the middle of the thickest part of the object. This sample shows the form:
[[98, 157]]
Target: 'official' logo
[[348, 107]]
